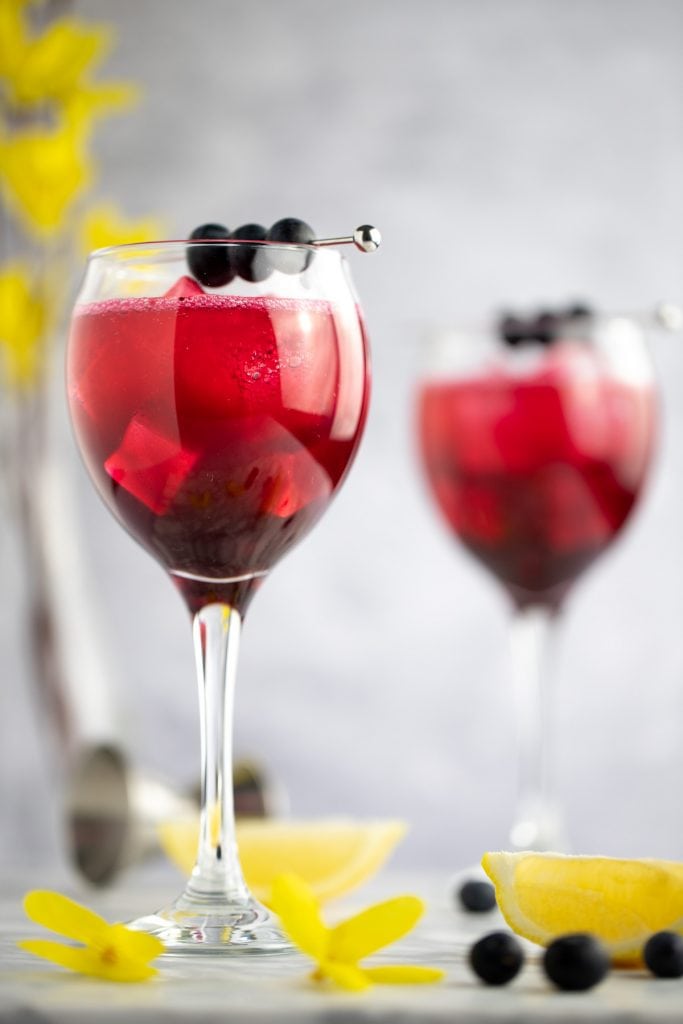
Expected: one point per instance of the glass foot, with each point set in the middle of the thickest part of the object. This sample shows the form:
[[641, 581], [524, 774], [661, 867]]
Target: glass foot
[[189, 927]]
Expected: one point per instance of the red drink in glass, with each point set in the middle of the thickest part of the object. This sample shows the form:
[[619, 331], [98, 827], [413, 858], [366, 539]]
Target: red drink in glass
[[537, 470], [217, 427]]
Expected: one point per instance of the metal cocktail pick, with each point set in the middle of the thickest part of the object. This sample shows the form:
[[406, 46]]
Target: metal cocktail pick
[[366, 238]]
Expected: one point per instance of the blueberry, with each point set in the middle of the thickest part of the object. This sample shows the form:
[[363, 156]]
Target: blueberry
[[579, 311], [663, 954], [576, 962], [512, 329], [251, 261], [496, 958], [544, 328], [477, 896], [210, 264], [296, 232]]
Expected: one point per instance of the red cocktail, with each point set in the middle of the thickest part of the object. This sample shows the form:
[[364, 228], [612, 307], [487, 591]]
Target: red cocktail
[[217, 425], [537, 472]]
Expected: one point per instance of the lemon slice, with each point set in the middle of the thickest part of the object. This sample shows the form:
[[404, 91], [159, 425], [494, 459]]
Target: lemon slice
[[622, 902], [332, 855]]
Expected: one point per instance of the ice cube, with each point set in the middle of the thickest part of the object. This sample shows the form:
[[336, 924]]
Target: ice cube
[[150, 465], [184, 288], [291, 482]]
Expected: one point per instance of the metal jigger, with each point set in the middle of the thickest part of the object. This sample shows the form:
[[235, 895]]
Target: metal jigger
[[113, 812]]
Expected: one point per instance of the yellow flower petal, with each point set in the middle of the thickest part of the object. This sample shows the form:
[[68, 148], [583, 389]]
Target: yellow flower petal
[[373, 928], [133, 944], [403, 974], [23, 321], [345, 976], [296, 906], [103, 225], [91, 101], [44, 171], [12, 38], [65, 916], [55, 62], [87, 961]]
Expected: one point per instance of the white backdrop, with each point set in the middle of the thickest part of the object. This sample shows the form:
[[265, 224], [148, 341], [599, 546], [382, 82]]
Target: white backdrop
[[511, 151]]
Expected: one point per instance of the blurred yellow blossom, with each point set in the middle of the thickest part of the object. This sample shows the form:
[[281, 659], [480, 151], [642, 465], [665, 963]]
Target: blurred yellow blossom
[[49, 105], [44, 171], [104, 225], [22, 323], [94, 100], [50, 66]]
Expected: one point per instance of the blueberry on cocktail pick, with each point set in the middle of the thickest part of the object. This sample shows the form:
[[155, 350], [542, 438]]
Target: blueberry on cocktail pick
[[512, 329], [579, 311], [251, 261], [544, 327], [290, 230], [210, 264]]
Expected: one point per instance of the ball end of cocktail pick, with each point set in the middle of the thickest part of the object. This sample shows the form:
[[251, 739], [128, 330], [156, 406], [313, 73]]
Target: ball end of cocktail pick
[[366, 238], [669, 315]]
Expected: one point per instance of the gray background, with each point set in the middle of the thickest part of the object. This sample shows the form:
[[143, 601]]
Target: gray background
[[511, 151]]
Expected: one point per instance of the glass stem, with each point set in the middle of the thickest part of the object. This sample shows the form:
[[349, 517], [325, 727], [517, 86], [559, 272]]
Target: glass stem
[[537, 824], [217, 873]]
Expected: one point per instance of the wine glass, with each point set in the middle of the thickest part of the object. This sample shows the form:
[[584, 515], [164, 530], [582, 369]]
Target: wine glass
[[536, 438], [217, 423]]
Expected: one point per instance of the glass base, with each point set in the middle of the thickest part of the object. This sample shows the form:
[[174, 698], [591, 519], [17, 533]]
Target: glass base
[[191, 926]]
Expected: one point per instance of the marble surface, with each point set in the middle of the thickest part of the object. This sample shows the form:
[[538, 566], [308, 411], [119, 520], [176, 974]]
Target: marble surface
[[276, 990]]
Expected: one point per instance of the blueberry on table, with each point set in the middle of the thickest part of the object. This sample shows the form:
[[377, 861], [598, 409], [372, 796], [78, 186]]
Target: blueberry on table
[[210, 264], [496, 958], [576, 962], [477, 896], [251, 261], [291, 230], [663, 955]]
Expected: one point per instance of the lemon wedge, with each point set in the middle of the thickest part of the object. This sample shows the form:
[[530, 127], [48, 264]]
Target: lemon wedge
[[621, 902], [333, 856]]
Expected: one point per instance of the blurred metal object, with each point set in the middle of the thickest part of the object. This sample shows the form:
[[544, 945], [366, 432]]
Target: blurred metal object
[[113, 813], [254, 792]]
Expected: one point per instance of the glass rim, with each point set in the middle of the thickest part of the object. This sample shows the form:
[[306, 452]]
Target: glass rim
[[170, 245]]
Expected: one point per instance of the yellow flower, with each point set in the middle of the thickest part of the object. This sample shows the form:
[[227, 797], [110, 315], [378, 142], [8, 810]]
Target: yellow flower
[[103, 225], [23, 318], [44, 170], [90, 101], [53, 66], [109, 951], [12, 38], [338, 951]]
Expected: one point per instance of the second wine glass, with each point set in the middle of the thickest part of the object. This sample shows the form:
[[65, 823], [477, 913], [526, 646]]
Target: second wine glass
[[536, 440]]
